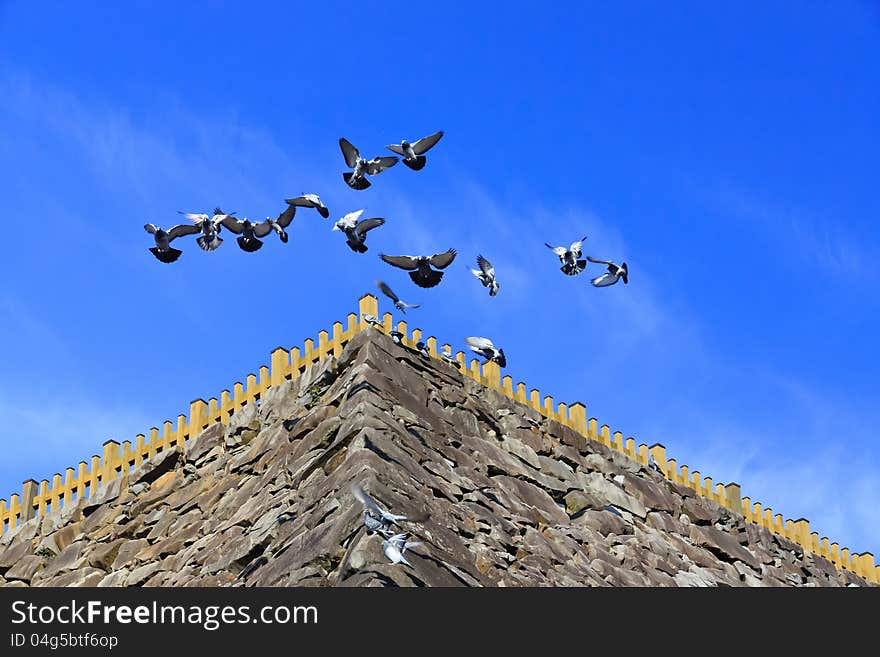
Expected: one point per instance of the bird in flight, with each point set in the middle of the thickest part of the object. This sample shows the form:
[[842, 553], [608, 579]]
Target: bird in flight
[[163, 250], [487, 350], [356, 230], [419, 267], [248, 230], [395, 546], [572, 265], [486, 275], [361, 167], [209, 226], [376, 518], [282, 222], [614, 273], [413, 153], [310, 201], [388, 292]]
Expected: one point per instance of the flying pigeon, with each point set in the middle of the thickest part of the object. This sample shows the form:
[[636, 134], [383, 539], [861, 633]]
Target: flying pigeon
[[486, 275], [400, 305], [422, 348], [413, 152], [310, 201], [356, 231], [372, 320], [355, 179], [487, 350], [614, 273], [571, 264], [279, 224], [209, 226], [375, 517], [163, 250], [395, 546], [420, 266], [249, 232]]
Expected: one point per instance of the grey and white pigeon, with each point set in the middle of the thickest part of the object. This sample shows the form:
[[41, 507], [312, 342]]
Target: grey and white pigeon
[[419, 267], [356, 179], [249, 232], [614, 273], [572, 265], [486, 275], [395, 546], [356, 230], [372, 320], [397, 336], [422, 348], [310, 201], [652, 463], [163, 250], [400, 305], [413, 153], [485, 348], [282, 222], [376, 518], [449, 358], [209, 226]]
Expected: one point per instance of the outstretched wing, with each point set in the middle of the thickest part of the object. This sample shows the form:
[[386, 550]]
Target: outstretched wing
[[196, 218], [601, 262], [379, 164], [368, 224], [350, 220], [182, 229], [395, 148], [485, 266], [479, 344], [387, 291], [305, 201], [349, 152], [558, 250], [423, 144], [576, 246], [262, 228], [286, 217], [402, 261], [233, 224], [443, 260], [366, 500]]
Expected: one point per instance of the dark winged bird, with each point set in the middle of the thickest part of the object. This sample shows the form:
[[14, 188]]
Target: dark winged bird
[[413, 153], [249, 232], [209, 226], [310, 201], [282, 222], [614, 273], [486, 275], [419, 267], [361, 167], [356, 231], [376, 518], [487, 350], [400, 305], [422, 348], [572, 265], [163, 250]]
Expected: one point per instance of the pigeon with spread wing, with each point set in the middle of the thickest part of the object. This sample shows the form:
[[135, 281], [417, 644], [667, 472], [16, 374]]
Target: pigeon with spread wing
[[163, 250], [356, 179], [419, 267], [413, 153]]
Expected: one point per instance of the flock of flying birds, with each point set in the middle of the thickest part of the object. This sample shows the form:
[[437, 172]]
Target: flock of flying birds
[[425, 271]]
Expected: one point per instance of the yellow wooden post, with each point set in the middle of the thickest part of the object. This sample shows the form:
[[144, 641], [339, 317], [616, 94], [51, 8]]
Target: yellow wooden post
[[618, 441], [264, 380], [708, 489], [416, 336], [28, 493], [4, 516], [14, 509], [562, 413], [643, 453], [593, 429], [578, 414], [432, 346], [507, 385], [547, 408], [109, 461], [535, 399], [167, 434], [605, 435], [758, 514], [461, 359], [57, 491], [295, 362], [790, 530], [825, 550], [180, 431], [672, 470], [213, 411], [845, 559], [323, 344], [250, 391], [198, 417], [492, 375], [474, 370], [685, 478], [237, 395], [226, 405], [352, 328], [768, 519], [387, 323], [521, 396], [631, 446], [658, 451], [42, 497], [309, 352], [69, 477], [869, 570], [802, 527], [368, 305], [336, 343], [279, 362], [82, 479]]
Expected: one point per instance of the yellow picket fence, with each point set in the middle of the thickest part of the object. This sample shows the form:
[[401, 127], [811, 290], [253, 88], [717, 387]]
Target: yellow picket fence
[[37, 499]]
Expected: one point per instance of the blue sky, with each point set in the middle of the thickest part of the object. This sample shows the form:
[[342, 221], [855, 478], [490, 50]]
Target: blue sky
[[728, 154]]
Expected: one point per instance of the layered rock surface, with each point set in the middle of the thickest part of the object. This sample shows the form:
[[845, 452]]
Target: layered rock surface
[[499, 495]]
